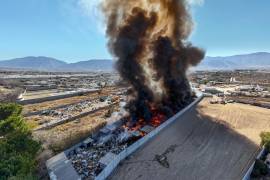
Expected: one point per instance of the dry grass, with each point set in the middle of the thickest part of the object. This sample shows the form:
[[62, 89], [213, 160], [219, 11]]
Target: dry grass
[[66, 135], [245, 119]]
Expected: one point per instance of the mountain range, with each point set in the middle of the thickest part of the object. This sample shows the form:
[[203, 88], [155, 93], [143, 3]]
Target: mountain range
[[260, 60], [42, 63]]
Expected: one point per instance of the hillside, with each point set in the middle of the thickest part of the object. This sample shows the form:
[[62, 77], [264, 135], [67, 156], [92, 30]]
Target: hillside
[[91, 65], [260, 60], [33, 63], [51, 64]]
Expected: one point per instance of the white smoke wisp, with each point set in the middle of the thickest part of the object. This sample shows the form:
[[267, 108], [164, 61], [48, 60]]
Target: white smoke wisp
[[196, 2], [91, 9]]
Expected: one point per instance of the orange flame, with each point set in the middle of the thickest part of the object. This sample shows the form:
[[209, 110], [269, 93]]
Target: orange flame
[[157, 119]]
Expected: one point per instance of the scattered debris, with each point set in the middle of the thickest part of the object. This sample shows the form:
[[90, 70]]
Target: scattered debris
[[147, 129], [97, 151], [162, 159]]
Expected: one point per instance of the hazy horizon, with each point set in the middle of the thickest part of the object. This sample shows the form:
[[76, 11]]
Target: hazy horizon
[[100, 59]]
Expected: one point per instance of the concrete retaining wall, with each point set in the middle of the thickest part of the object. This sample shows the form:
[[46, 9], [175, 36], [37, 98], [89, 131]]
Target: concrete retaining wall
[[60, 168], [248, 173], [124, 154], [52, 98]]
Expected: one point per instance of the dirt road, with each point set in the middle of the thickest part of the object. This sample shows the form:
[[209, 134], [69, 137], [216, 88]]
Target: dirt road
[[198, 146]]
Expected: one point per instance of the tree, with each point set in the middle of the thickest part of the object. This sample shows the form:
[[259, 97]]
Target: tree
[[17, 148], [265, 140], [260, 169]]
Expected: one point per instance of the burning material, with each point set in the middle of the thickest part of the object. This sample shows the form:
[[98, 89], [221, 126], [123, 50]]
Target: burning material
[[149, 40], [147, 129], [97, 152]]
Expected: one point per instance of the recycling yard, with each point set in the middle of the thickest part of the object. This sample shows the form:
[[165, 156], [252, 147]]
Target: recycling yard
[[51, 114], [222, 131], [62, 123], [37, 108], [239, 132]]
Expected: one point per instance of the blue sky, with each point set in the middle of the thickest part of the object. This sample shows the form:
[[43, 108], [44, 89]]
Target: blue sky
[[72, 30]]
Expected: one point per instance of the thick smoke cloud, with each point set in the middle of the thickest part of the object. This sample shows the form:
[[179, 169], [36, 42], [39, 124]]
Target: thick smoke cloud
[[149, 40]]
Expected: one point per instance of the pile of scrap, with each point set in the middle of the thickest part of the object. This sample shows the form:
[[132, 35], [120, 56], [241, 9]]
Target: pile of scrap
[[98, 151]]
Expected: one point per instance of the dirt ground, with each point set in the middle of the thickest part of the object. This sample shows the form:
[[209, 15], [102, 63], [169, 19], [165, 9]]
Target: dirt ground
[[64, 136], [256, 99], [245, 119], [207, 142]]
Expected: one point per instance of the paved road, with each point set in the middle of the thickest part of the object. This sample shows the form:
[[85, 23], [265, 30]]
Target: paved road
[[195, 147]]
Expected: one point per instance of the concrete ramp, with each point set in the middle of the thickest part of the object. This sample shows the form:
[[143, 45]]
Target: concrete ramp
[[193, 148], [60, 168]]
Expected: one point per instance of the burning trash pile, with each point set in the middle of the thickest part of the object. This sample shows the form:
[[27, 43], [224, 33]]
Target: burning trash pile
[[95, 153], [90, 158], [149, 40]]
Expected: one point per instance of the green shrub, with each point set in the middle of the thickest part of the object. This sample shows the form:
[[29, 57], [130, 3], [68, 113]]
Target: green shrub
[[7, 110], [17, 148], [12, 124], [265, 140], [23, 177], [260, 169]]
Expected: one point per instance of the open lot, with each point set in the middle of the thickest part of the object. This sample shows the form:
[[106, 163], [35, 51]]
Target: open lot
[[245, 119], [208, 142]]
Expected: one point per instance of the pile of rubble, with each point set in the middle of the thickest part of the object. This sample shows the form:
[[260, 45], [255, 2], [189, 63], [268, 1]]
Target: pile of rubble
[[95, 153], [52, 113], [88, 105]]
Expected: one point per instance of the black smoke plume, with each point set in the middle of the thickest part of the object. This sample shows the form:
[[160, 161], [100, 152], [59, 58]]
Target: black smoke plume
[[149, 40]]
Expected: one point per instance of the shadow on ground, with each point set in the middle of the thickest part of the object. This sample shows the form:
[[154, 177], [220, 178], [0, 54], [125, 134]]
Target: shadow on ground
[[193, 147]]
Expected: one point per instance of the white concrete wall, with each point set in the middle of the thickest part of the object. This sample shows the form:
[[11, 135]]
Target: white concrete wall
[[56, 97], [124, 154], [248, 173]]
